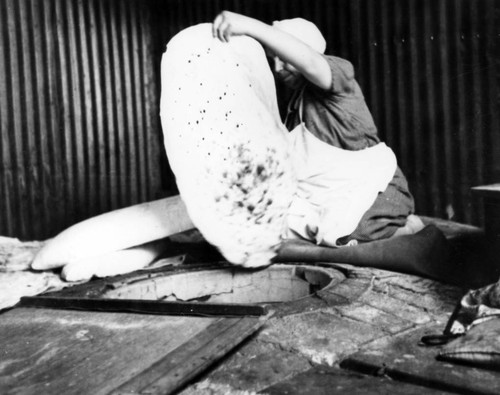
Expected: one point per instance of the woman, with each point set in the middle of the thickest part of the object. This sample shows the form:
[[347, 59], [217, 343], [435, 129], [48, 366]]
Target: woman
[[329, 103]]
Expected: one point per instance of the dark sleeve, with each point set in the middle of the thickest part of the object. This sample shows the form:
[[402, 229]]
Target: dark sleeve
[[342, 75]]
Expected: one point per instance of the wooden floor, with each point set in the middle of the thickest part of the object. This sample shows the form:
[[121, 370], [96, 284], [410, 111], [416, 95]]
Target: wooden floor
[[358, 336]]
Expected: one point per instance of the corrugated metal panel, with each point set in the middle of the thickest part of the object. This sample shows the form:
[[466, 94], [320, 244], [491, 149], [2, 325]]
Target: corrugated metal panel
[[78, 109], [79, 84], [431, 83], [429, 71]]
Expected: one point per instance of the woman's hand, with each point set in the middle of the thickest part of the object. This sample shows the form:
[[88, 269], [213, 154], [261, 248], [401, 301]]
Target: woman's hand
[[228, 24]]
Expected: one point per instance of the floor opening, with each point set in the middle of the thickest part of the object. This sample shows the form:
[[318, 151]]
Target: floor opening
[[277, 283]]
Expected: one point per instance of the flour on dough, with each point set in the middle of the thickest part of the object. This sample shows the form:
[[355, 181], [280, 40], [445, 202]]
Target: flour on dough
[[226, 144]]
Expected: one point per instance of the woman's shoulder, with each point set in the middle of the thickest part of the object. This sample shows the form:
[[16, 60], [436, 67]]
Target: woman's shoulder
[[342, 72]]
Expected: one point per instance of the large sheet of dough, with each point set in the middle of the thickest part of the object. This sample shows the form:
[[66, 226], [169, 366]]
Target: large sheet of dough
[[225, 142]]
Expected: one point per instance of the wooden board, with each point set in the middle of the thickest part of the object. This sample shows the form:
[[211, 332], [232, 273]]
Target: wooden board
[[402, 359], [492, 190], [73, 352]]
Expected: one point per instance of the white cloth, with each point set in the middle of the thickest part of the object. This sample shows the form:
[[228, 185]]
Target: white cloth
[[335, 186]]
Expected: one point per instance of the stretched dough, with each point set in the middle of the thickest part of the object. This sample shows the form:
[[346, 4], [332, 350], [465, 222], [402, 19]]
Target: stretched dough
[[116, 230], [226, 144]]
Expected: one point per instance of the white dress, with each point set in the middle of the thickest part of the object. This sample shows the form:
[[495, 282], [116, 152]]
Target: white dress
[[335, 186]]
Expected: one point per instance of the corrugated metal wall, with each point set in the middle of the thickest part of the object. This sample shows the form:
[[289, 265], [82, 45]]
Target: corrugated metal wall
[[79, 85], [430, 77], [429, 70], [79, 132]]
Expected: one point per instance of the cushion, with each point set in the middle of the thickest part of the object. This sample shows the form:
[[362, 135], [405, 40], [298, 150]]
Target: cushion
[[479, 347], [425, 252]]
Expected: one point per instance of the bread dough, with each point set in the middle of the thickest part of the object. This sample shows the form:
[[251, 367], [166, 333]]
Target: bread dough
[[226, 144]]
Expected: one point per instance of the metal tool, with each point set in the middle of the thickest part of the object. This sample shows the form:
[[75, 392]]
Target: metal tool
[[445, 337]]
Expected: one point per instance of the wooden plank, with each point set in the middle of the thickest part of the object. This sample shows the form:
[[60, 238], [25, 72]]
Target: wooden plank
[[74, 352], [322, 380], [401, 358], [492, 190], [191, 358], [143, 306]]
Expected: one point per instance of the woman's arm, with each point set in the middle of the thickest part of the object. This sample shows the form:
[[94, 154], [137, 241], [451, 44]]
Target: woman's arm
[[310, 63]]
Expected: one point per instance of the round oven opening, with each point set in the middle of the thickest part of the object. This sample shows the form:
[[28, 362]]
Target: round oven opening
[[276, 283]]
